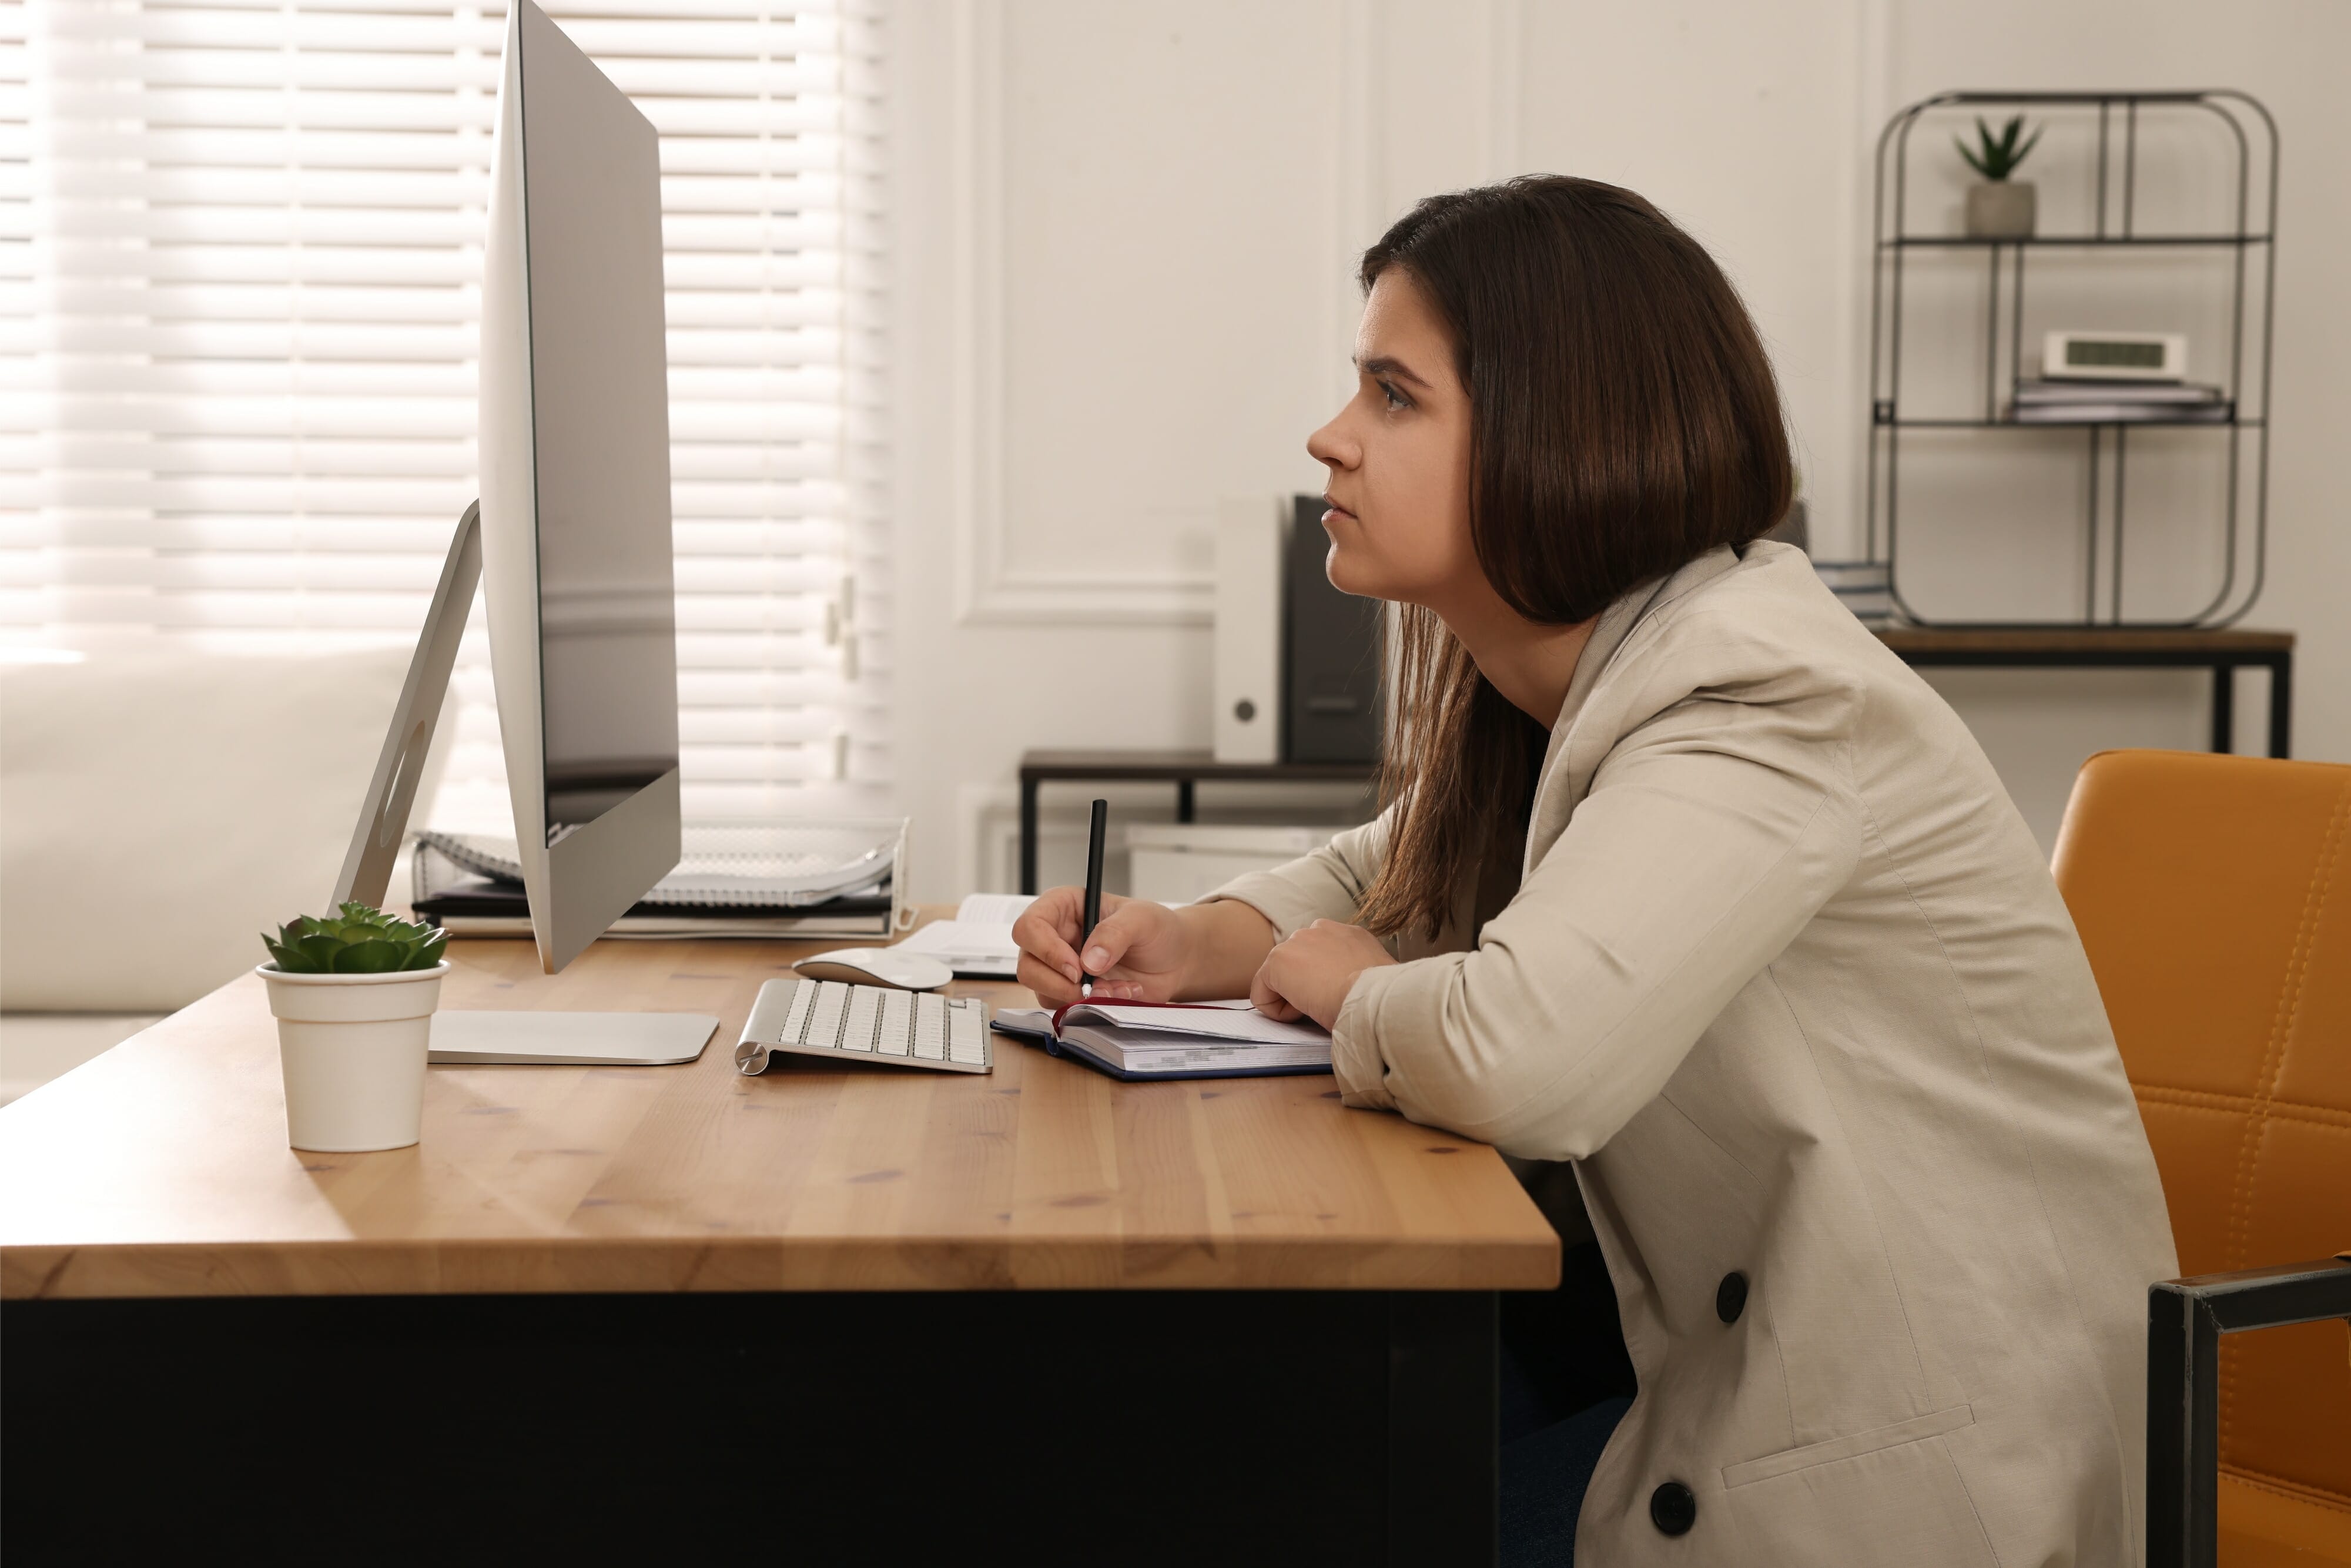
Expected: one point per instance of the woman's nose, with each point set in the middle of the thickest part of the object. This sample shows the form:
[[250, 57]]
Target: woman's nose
[[1332, 449]]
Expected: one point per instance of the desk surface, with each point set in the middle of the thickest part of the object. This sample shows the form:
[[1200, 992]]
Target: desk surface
[[162, 1168]]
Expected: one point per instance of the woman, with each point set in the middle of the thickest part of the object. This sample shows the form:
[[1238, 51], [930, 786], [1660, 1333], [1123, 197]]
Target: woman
[[1682, 877]]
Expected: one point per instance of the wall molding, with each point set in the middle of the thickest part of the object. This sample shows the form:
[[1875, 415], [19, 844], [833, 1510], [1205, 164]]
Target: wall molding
[[990, 588]]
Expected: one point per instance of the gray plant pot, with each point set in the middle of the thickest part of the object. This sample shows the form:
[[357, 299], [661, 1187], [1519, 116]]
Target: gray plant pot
[[2000, 209]]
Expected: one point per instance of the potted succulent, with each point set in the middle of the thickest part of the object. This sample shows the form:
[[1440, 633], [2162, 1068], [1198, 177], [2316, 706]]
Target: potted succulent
[[353, 993], [1999, 206]]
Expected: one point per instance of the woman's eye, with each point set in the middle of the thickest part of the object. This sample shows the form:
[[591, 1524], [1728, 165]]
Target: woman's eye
[[1396, 400]]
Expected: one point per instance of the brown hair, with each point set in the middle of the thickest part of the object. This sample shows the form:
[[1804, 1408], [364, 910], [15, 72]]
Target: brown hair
[[1623, 421]]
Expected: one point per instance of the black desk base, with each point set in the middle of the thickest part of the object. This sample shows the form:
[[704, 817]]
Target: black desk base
[[1039, 1428], [1184, 770]]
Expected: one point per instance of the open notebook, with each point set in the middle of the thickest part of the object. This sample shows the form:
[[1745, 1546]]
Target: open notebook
[[1149, 1040]]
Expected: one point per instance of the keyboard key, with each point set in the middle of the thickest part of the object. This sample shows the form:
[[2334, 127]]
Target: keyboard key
[[897, 1032], [967, 1041], [795, 1021], [824, 1019], [864, 1015]]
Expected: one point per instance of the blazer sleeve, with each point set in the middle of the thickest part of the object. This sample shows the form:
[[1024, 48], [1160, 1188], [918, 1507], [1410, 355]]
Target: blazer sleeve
[[1712, 833], [1328, 884]]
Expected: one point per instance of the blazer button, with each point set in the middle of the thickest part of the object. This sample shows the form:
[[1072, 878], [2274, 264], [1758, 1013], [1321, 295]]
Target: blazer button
[[1731, 1297], [1673, 1508]]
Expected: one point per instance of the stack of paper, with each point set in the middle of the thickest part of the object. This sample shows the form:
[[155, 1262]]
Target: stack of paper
[[738, 879], [2119, 403], [978, 943]]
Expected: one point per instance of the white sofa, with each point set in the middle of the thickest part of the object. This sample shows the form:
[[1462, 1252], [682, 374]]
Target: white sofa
[[159, 808]]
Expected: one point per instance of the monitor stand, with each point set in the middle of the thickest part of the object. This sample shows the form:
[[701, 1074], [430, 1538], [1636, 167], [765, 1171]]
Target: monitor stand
[[584, 1039], [547, 1038]]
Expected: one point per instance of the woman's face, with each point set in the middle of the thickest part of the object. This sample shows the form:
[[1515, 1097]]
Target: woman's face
[[1398, 455]]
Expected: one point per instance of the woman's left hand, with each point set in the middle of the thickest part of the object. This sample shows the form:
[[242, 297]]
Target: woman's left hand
[[1314, 971]]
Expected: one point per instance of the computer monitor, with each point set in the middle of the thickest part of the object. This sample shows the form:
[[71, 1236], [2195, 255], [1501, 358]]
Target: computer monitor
[[574, 550]]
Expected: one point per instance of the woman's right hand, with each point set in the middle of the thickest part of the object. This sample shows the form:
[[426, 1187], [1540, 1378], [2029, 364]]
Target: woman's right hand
[[1138, 953]]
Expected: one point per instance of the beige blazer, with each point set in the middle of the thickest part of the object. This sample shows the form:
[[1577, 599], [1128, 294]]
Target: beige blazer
[[1785, 975]]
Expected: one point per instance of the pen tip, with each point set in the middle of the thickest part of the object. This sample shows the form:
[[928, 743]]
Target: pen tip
[[1087, 990]]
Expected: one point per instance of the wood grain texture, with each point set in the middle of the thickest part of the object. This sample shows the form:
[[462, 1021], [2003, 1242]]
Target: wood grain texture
[[161, 1169]]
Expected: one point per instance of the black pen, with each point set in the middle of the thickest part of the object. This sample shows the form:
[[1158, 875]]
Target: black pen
[[1093, 890]]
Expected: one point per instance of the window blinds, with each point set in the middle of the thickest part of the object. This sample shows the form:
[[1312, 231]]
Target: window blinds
[[240, 245]]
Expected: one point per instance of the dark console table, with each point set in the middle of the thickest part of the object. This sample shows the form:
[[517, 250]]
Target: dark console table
[[2224, 653], [1182, 768]]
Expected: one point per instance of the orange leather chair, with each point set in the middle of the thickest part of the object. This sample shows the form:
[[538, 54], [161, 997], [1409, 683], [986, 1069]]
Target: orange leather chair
[[2214, 897]]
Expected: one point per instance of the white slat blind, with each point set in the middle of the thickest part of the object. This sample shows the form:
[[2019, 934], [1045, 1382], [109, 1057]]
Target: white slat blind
[[240, 257]]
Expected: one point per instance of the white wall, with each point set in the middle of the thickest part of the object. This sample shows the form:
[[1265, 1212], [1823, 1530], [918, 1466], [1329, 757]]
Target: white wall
[[1127, 232]]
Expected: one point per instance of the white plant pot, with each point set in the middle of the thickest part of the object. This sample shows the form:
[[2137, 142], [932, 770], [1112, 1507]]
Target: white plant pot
[[352, 1049]]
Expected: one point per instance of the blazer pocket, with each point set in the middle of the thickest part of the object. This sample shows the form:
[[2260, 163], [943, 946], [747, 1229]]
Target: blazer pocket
[[1789, 1460]]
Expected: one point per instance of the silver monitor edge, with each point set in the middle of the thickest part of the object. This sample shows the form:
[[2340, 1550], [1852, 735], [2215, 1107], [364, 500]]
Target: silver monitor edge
[[592, 874]]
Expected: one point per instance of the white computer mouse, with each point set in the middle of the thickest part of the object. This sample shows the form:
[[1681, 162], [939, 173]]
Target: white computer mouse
[[877, 967]]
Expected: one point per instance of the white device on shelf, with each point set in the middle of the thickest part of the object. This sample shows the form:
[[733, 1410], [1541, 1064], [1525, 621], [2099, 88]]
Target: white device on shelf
[[865, 1023], [1248, 685], [2113, 356], [877, 967]]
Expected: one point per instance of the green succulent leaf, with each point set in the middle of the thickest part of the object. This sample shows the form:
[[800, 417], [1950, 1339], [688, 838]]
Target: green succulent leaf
[[319, 949], [354, 940], [375, 957], [1996, 155]]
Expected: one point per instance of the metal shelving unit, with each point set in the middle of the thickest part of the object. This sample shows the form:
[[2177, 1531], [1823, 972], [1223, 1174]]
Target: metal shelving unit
[[2244, 434]]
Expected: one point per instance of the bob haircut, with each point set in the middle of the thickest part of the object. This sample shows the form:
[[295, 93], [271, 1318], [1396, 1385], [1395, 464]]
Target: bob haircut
[[1623, 421]]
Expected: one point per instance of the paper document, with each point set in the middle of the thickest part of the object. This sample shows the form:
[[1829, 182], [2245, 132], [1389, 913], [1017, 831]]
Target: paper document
[[783, 865], [978, 943]]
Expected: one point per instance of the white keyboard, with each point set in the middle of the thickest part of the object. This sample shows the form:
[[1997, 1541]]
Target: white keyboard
[[867, 1023]]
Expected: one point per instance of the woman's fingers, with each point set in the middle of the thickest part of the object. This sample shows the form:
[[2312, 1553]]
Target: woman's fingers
[[1053, 989], [1265, 998], [1047, 932], [1122, 929]]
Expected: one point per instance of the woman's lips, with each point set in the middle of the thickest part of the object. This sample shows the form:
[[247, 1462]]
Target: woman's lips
[[1332, 510]]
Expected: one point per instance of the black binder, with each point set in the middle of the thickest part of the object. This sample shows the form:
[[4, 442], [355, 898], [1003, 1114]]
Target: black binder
[[1330, 652]]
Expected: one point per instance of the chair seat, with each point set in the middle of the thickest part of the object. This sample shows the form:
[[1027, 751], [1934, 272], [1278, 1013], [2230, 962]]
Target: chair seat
[[2266, 1527]]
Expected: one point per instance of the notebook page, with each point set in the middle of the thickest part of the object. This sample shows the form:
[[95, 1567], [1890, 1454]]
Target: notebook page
[[1241, 1024], [993, 909]]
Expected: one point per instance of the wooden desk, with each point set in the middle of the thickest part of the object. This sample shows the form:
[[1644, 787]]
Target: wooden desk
[[586, 1273]]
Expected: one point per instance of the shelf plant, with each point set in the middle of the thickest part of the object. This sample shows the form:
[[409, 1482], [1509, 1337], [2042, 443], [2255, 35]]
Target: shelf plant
[[1999, 205]]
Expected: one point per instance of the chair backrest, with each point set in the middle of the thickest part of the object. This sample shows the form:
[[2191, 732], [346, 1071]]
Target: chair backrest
[[2214, 897], [205, 795]]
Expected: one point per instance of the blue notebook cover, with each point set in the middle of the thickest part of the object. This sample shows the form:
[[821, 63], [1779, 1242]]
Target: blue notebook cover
[[1077, 1052]]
